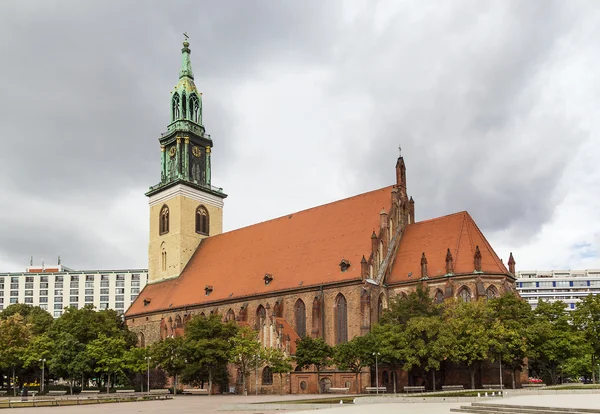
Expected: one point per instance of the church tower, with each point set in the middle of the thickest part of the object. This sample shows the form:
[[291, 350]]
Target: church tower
[[184, 207]]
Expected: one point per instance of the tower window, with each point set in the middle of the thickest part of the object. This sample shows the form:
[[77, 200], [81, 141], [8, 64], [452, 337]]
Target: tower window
[[175, 108], [164, 220], [341, 320], [194, 107], [184, 106], [202, 220]]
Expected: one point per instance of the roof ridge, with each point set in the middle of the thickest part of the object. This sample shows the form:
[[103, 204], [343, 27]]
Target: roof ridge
[[439, 218], [302, 211]]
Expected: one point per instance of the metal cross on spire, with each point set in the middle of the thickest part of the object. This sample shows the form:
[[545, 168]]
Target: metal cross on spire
[[186, 35], [400, 150]]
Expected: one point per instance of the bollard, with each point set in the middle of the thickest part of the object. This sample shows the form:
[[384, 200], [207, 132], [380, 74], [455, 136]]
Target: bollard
[[493, 394], [341, 402], [478, 395], [486, 393]]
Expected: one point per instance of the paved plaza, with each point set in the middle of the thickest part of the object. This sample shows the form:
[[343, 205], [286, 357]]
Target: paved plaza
[[382, 405]]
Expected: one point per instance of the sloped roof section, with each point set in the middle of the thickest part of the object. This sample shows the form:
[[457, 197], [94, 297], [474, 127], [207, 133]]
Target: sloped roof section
[[299, 249], [457, 232]]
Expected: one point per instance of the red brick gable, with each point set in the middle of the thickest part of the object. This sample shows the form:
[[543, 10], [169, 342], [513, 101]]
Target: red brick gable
[[457, 232], [298, 250]]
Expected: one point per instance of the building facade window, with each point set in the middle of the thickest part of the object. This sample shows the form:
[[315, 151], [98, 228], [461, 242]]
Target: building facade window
[[300, 318], [202, 220], [464, 294], [439, 297], [341, 319], [267, 376], [491, 292], [164, 220]]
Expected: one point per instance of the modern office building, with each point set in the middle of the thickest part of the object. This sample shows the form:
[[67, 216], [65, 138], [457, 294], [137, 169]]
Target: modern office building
[[570, 286], [56, 287]]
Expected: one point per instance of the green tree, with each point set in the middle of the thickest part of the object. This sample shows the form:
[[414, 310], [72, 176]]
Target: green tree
[[469, 329], [554, 339], [169, 355], [38, 319], [355, 354], [135, 361], [510, 321], [208, 345], [586, 319], [279, 362], [402, 308], [246, 353], [428, 342], [15, 335], [315, 352], [108, 355]]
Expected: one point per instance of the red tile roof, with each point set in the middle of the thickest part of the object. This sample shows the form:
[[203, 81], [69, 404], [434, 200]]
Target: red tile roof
[[457, 232], [300, 249]]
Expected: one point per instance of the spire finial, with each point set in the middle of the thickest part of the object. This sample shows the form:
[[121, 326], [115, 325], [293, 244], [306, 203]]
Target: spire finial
[[186, 63], [399, 150]]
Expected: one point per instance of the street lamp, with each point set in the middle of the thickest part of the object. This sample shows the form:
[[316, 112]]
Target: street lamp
[[43, 361], [148, 372], [376, 354]]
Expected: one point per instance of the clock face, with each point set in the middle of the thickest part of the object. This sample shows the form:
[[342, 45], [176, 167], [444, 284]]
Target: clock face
[[196, 151], [172, 151]]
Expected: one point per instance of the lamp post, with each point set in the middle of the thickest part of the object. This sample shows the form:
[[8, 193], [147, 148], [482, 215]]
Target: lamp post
[[148, 373], [376, 354], [43, 360]]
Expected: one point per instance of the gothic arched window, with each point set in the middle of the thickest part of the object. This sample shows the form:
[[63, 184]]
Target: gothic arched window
[[184, 106], [163, 226], [163, 257], [202, 220], [141, 340], [464, 294], [194, 107], [341, 319], [300, 318], [261, 316], [439, 297], [317, 320], [230, 315], [380, 306], [267, 376], [491, 292], [175, 107]]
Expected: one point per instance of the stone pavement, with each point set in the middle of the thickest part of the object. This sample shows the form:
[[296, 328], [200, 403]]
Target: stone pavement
[[381, 405]]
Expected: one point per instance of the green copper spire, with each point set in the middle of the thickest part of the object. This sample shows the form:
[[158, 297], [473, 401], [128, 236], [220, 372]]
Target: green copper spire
[[186, 63]]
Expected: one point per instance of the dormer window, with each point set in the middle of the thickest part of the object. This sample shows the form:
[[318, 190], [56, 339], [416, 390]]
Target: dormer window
[[344, 265], [208, 289], [147, 301], [268, 278]]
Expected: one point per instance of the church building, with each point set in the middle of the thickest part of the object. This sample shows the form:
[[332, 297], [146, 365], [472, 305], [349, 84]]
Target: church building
[[327, 272]]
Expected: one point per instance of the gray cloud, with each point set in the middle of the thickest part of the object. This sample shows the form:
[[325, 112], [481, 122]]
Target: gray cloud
[[467, 89]]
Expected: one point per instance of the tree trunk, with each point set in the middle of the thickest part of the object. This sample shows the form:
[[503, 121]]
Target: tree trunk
[[593, 369], [280, 384], [318, 380], [210, 382], [108, 385], [395, 375], [472, 374], [514, 382], [433, 372], [244, 391], [15, 384]]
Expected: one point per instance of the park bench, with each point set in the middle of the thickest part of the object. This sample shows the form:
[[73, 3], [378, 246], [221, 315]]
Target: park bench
[[125, 391], [452, 387], [533, 385], [341, 390], [492, 386], [376, 389], [57, 392], [3, 392], [160, 391], [195, 391], [90, 391], [414, 388]]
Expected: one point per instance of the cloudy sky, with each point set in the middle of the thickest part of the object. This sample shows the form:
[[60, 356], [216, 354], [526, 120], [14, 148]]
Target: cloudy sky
[[494, 103]]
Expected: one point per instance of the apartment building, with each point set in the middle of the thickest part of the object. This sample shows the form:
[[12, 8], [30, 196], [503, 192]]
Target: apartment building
[[553, 285], [56, 287]]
